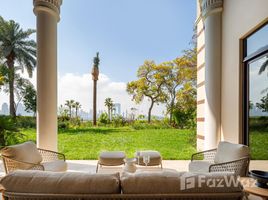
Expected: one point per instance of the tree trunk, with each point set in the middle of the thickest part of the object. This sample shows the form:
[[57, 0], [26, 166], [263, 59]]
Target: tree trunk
[[94, 102], [150, 111], [171, 111], [11, 77], [70, 112], [109, 114]]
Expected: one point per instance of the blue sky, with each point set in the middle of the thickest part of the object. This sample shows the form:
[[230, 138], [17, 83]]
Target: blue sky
[[125, 32]]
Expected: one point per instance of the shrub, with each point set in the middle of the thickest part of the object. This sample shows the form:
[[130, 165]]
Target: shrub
[[155, 124], [118, 121], [185, 119], [104, 118], [258, 123], [25, 122], [63, 125], [9, 134]]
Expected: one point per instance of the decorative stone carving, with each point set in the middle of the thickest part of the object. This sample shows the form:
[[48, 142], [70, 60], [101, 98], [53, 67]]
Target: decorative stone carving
[[209, 7], [48, 5]]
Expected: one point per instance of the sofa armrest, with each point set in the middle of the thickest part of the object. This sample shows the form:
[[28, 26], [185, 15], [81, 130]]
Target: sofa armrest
[[12, 165], [207, 155], [239, 167], [48, 155]]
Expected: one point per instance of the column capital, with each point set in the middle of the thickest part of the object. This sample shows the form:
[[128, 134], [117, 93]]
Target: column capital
[[51, 6], [209, 7]]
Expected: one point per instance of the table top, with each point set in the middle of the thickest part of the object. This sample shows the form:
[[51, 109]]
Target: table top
[[249, 185]]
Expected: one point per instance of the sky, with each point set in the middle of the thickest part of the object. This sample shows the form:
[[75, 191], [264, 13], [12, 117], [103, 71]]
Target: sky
[[124, 32]]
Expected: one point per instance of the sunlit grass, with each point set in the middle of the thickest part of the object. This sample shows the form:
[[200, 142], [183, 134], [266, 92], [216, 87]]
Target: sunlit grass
[[87, 143]]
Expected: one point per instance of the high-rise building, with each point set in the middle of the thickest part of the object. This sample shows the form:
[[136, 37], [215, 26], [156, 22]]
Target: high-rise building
[[4, 110], [117, 107]]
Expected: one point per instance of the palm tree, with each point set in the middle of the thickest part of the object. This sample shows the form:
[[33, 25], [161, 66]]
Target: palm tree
[[70, 105], [77, 106], [16, 47], [109, 104]]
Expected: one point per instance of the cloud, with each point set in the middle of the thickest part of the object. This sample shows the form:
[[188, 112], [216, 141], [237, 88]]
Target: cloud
[[80, 88]]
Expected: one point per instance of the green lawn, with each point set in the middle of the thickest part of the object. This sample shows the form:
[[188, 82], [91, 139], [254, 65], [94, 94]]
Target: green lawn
[[259, 145], [174, 144], [87, 143]]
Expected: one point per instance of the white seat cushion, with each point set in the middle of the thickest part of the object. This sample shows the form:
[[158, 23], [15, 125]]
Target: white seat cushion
[[199, 166], [55, 166], [227, 152], [112, 158], [155, 157]]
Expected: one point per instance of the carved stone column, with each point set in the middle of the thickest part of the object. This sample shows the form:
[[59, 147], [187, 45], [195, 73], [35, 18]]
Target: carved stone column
[[47, 16], [212, 17]]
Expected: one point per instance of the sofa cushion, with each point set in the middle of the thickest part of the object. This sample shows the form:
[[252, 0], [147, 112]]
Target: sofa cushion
[[55, 166], [180, 182], [227, 152], [34, 181], [199, 166], [151, 182], [25, 152]]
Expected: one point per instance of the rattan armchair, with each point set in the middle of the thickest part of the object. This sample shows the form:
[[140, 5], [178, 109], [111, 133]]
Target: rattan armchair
[[207, 159], [48, 158]]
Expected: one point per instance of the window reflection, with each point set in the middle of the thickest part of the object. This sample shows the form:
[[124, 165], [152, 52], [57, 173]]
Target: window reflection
[[258, 107], [257, 41]]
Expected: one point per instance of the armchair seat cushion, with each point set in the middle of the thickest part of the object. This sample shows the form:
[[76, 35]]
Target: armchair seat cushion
[[199, 166], [55, 166]]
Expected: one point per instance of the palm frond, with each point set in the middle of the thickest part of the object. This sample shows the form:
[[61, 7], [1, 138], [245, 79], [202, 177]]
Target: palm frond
[[264, 66]]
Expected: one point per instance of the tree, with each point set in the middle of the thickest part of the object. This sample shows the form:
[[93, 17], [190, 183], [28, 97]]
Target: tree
[[16, 47], [263, 67], [70, 105], [20, 84], [185, 109], [29, 98], [149, 84], [181, 71], [263, 105], [2, 78], [109, 104], [77, 106]]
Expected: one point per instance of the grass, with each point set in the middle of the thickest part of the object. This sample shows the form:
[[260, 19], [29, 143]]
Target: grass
[[87, 143], [173, 144], [259, 145]]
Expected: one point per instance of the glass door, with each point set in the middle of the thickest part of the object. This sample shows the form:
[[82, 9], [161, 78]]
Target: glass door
[[258, 107]]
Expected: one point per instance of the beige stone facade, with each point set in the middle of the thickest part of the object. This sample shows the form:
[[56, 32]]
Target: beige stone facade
[[221, 27]]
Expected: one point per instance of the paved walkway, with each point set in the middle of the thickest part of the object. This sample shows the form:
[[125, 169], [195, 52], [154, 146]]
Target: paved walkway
[[179, 165]]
